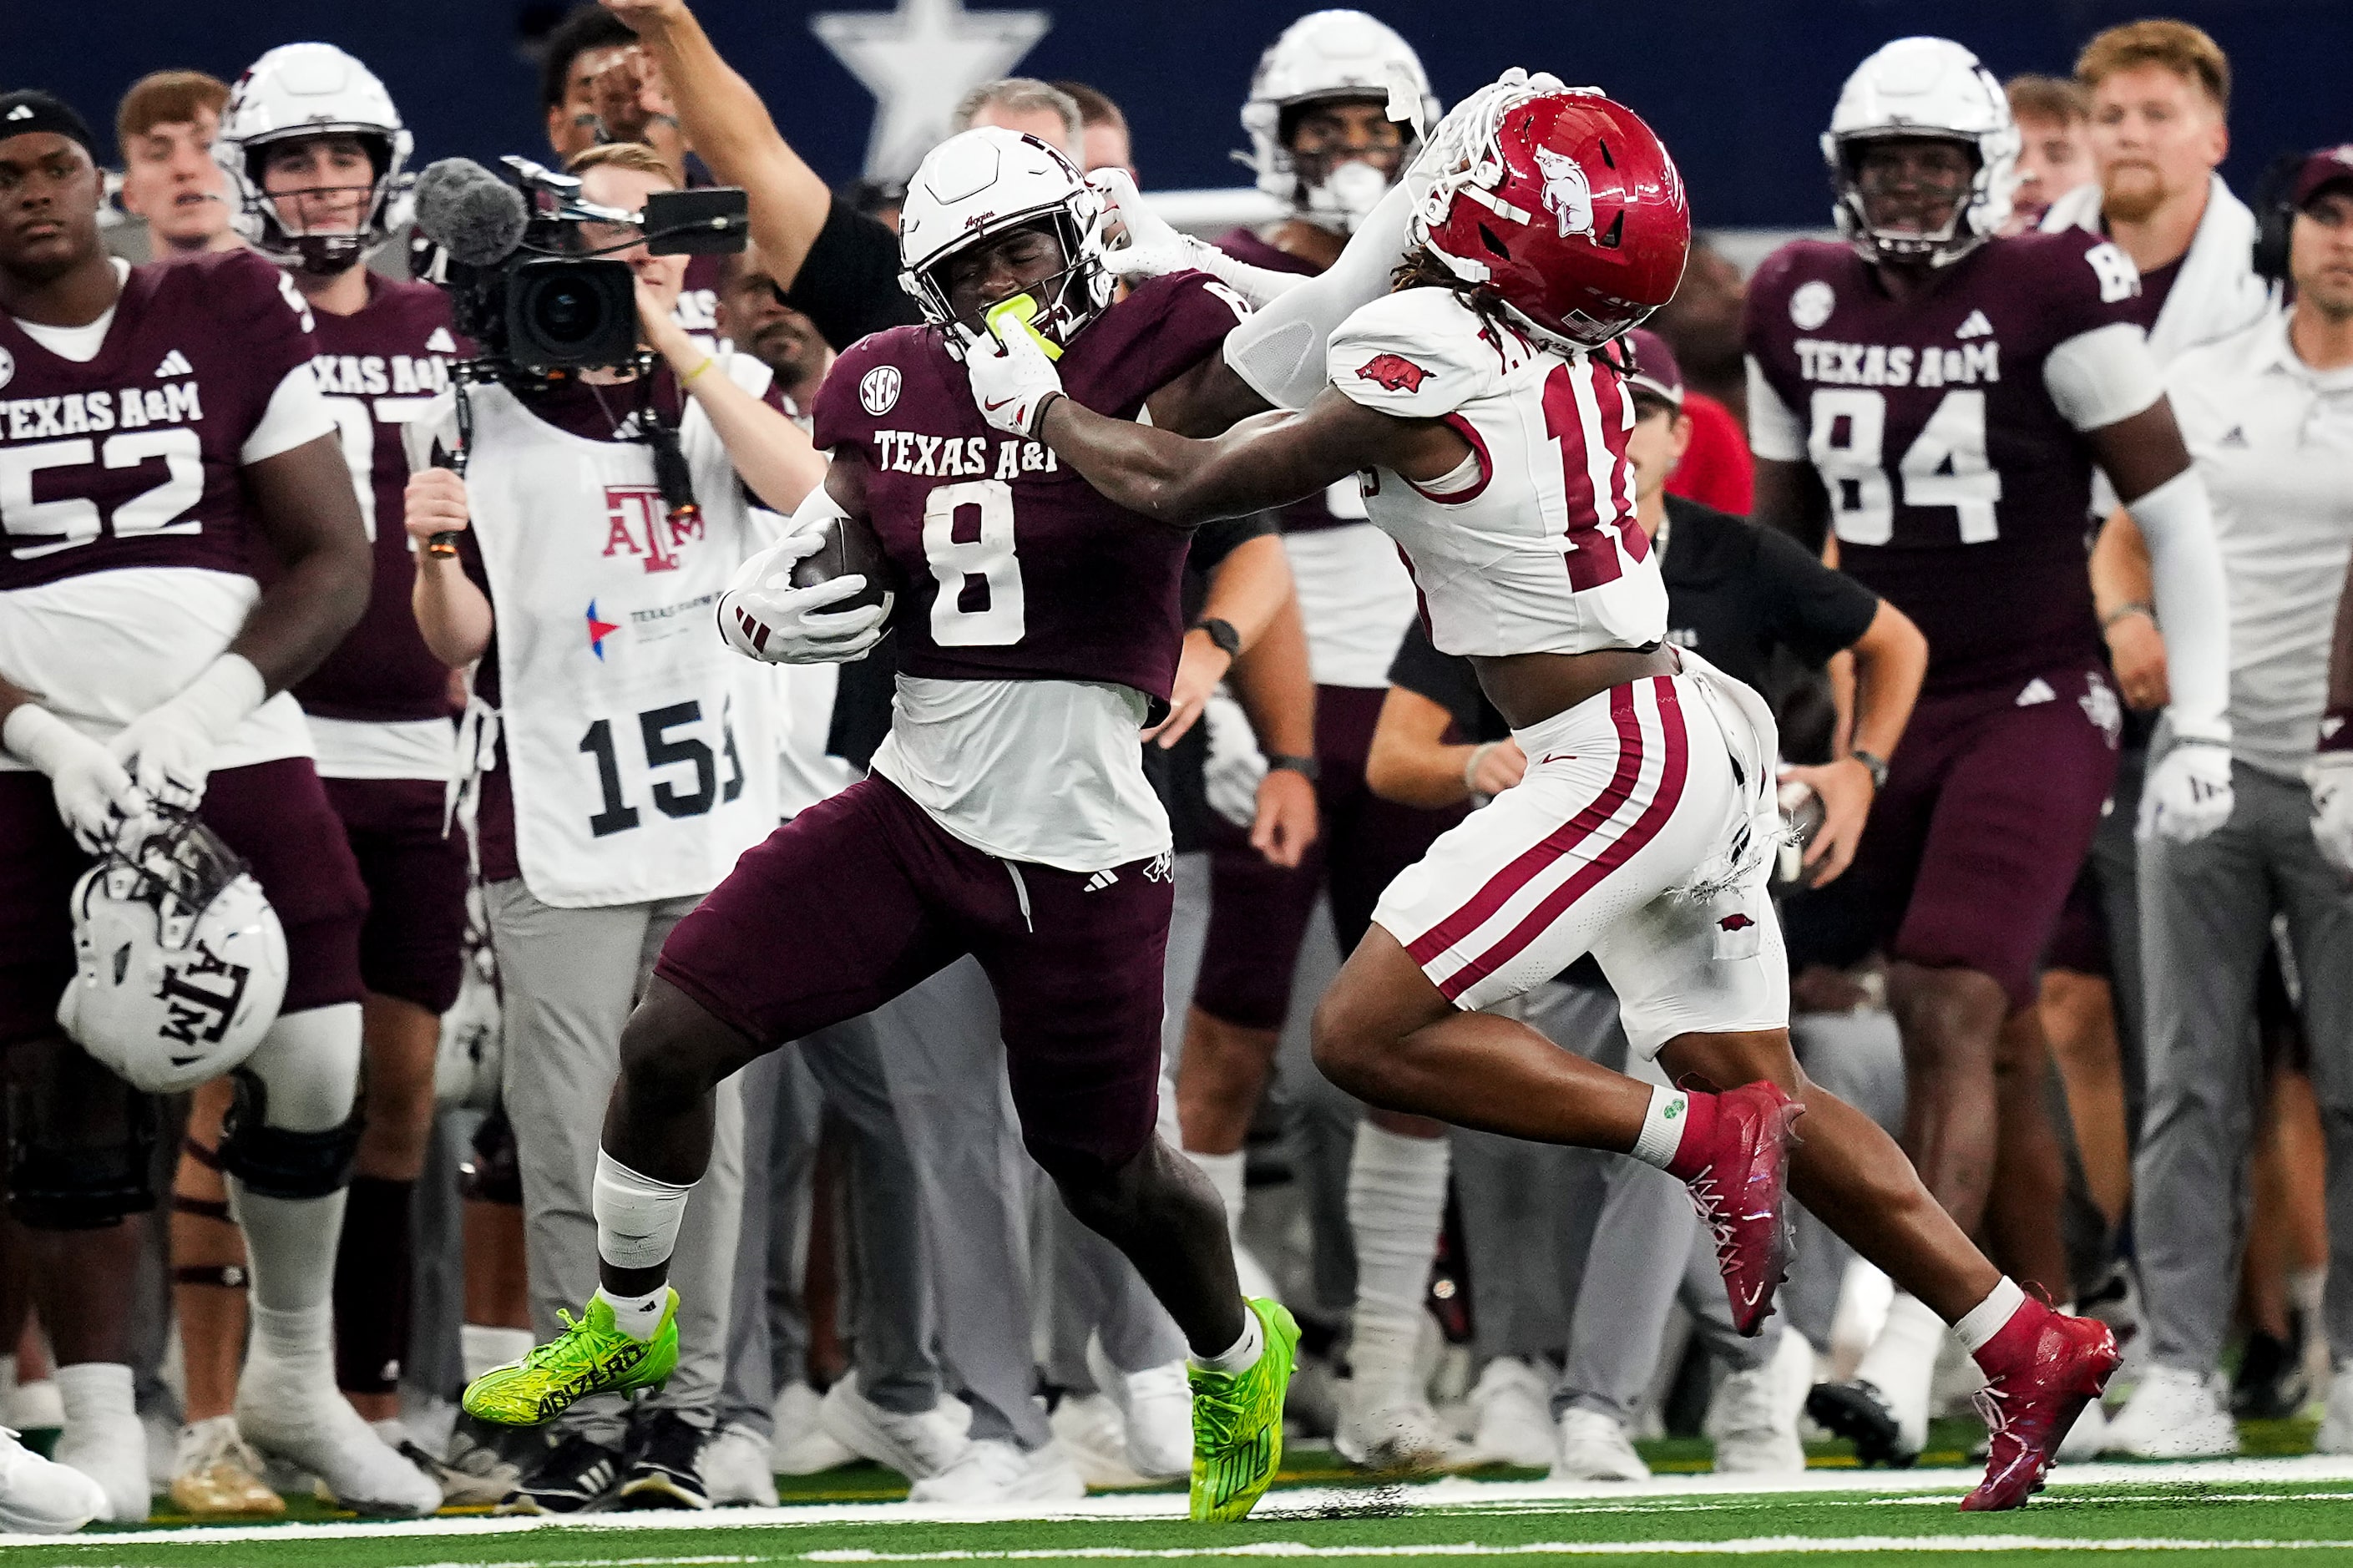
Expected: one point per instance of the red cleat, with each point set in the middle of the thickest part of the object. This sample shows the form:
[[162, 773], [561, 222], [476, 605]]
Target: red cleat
[[2053, 1365], [1742, 1174]]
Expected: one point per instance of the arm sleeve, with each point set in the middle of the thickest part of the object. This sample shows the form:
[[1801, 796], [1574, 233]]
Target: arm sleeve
[[1213, 541], [2098, 377], [1816, 611], [297, 413], [1279, 350], [1775, 432], [2186, 564], [850, 284]]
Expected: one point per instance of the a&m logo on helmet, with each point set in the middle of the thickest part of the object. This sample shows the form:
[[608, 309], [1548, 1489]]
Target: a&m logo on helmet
[[1567, 195], [1392, 373]]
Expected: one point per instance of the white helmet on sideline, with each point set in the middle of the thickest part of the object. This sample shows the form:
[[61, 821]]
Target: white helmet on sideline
[[987, 180], [312, 89], [1323, 56], [1923, 87], [180, 961]]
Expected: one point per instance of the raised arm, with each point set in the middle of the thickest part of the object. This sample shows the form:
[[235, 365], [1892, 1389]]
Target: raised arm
[[729, 128]]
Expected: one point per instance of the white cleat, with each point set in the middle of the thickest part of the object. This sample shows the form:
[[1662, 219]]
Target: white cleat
[[111, 1451], [996, 1470], [1155, 1413], [1594, 1448], [1511, 1408], [1754, 1419], [2087, 1440], [2337, 1423], [2174, 1415], [917, 1446], [1089, 1428], [1393, 1431], [735, 1467], [217, 1477], [321, 1432], [38, 1498], [802, 1447]]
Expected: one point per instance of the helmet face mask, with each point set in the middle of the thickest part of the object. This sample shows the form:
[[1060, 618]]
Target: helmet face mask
[[1888, 175], [953, 206], [1328, 58], [326, 246], [311, 91], [1911, 92]]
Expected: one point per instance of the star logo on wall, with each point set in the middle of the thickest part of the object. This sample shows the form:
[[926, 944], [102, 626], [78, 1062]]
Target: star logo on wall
[[917, 61]]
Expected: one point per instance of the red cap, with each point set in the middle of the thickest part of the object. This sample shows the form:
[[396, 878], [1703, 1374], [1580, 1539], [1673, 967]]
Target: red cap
[[2330, 166]]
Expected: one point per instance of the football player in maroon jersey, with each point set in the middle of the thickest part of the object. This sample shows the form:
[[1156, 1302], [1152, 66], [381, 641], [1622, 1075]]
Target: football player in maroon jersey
[[1428, 388], [166, 434], [1938, 397]]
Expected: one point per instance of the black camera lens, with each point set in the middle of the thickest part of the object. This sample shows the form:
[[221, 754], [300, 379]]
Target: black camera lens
[[565, 311]]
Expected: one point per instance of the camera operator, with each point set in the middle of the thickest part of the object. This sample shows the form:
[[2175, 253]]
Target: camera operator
[[629, 759]]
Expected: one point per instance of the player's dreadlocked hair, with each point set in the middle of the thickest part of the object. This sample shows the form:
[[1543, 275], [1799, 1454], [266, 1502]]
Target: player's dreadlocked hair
[[1420, 269]]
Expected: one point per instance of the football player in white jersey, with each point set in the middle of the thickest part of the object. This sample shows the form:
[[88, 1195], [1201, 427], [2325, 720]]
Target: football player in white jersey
[[1545, 225]]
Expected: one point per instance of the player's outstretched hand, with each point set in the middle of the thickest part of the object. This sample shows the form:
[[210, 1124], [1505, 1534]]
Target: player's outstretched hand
[[2188, 795], [763, 617], [95, 795], [2330, 776], [1012, 372]]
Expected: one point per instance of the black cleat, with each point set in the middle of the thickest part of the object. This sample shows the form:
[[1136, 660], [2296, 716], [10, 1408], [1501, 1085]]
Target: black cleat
[[664, 1467], [577, 1476], [1857, 1412]]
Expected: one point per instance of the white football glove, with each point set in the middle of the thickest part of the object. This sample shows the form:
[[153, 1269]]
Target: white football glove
[[1013, 376], [1235, 766], [1155, 250], [95, 797], [2330, 776], [763, 617], [2188, 795], [168, 750]]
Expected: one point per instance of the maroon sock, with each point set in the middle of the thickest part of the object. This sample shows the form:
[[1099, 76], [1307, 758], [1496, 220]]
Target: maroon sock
[[1692, 1153], [372, 1287]]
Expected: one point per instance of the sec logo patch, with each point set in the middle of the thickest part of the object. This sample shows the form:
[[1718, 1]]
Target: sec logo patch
[[877, 390], [1811, 305]]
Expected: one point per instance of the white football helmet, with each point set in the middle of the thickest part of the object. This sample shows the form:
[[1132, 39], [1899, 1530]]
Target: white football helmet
[[180, 961], [312, 90], [468, 1061], [1328, 55], [983, 182], [1933, 87]]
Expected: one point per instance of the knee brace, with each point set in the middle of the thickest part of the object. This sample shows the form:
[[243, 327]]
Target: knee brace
[[276, 1163], [79, 1172]]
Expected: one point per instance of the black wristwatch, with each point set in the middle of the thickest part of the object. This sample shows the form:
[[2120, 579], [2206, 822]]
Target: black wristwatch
[[1308, 768], [1221, 633], [1873, 765]]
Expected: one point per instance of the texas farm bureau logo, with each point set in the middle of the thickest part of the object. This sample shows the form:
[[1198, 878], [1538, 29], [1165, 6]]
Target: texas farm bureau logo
[[599, 629], [1567, 195], [877, 390], [637, 522], [1811, 305], [1392, 373], [200, 997]]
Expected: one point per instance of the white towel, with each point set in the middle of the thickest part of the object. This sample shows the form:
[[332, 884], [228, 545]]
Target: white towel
[[2216, 293]]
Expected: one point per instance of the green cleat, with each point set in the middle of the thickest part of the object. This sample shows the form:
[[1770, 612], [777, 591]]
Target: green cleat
[[592, 1356], [1238, 1423]]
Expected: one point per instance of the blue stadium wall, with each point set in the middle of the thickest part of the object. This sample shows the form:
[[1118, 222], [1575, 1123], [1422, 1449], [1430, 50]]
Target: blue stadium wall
[[1739, 91]]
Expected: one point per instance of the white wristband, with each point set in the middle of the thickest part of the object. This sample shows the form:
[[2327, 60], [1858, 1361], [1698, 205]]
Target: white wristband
[[223, 697]]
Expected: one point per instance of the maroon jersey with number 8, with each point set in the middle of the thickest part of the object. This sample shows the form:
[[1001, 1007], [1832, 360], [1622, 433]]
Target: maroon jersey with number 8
[[1956, 490], [1017, 569]]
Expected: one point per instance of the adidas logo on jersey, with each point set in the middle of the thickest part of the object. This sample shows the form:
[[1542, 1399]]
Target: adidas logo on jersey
[[2038, 691], [1100, 880], [22, 111], [2236, 436], [1977, 326], [441, 343], [174, 364]]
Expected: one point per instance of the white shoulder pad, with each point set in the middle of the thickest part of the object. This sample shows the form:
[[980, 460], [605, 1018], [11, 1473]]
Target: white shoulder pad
[[1418, 355]]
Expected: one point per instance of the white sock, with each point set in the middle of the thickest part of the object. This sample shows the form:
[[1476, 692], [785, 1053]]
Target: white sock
[[1982, 1322], [1905, 1351], [1662, 1127], [485, 1345], [1226, 1172], [1397, 1205], [637, 1316], [1243, 1355], [309, 1066], [298, 1347], [95, 1391], [636, 1216]]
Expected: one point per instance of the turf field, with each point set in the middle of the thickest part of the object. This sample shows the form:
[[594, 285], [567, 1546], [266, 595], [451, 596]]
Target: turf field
[[2295, 1511]]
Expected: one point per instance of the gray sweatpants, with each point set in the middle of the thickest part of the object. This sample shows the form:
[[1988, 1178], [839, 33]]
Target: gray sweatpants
[[2206, 921], [568, 980], [888, 1297]]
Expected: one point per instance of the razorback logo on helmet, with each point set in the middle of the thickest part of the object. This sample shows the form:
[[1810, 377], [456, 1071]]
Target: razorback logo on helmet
[[1736, 921], [1567, 194], [1392, 373]]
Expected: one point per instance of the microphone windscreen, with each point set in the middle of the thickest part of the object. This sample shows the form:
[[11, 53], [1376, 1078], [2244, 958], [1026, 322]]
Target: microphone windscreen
[[469, 212]]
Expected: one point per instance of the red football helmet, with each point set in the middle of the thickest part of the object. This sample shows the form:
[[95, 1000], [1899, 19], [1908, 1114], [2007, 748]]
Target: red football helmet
[[1568, 208]]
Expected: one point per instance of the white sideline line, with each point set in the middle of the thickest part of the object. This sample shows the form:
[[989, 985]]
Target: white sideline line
[[1660, 1495], [1752, 1546]]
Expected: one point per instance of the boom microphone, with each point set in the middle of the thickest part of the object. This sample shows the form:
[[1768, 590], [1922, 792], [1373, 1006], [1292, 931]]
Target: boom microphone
[[469, 212]]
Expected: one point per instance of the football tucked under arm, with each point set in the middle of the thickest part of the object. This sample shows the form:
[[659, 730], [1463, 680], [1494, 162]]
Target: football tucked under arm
[[797, 602]]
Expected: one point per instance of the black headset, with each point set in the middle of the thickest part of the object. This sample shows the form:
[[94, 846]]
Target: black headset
[[2275, 206]]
